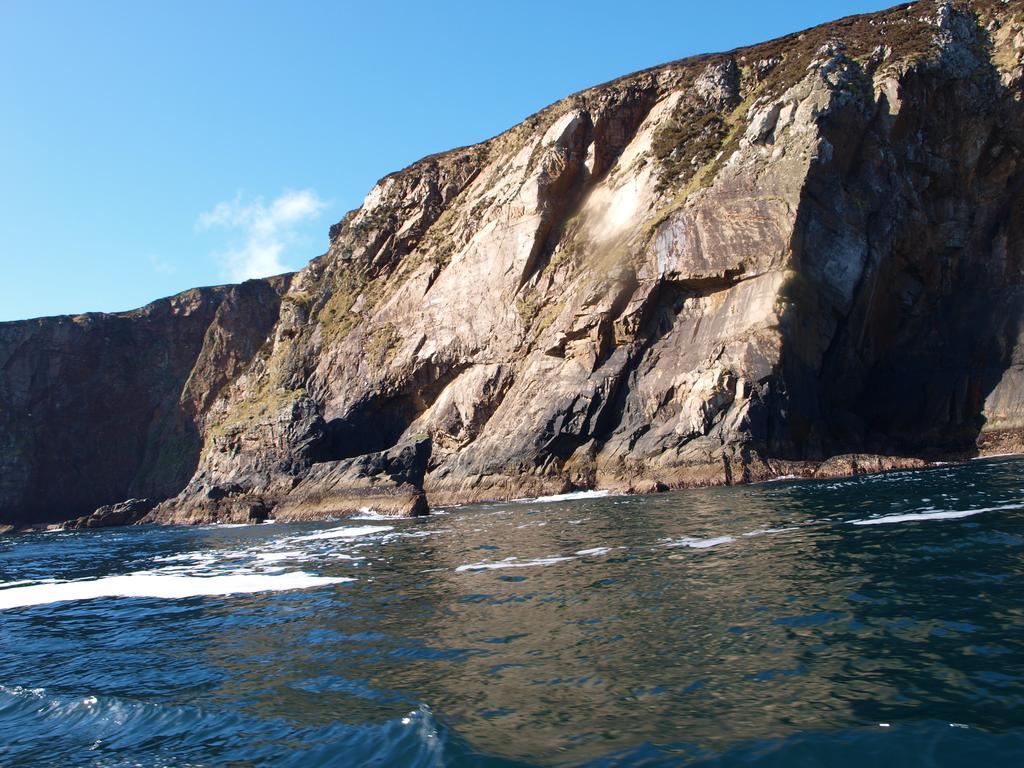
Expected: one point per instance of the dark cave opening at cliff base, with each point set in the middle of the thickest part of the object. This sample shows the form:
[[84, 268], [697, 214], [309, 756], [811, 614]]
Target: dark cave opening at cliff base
[[371, 427], [377, 422]]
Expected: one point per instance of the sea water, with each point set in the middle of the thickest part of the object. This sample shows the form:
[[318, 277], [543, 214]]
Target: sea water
[[871, 621]]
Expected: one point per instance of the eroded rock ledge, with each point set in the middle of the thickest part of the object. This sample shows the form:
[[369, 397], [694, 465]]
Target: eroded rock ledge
[[802, 257]]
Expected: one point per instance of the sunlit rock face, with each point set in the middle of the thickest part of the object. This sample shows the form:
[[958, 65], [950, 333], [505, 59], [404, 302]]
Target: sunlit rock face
[[715, 271]]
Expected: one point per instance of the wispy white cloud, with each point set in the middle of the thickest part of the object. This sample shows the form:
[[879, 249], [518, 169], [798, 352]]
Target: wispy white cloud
[[266, 230], [161, 265]]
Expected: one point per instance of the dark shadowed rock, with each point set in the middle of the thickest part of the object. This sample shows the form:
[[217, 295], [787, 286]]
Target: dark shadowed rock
[[123, 513], [97, 408], [389, 483]]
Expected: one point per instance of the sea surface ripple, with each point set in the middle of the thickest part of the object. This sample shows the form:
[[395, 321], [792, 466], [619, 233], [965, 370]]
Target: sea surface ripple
[[871, 621]]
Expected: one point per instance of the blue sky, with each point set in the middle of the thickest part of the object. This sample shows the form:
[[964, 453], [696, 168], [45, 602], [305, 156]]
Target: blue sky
[[149, 147]]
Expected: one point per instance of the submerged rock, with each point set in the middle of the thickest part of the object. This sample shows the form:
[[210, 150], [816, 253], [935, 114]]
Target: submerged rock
[[721, 270]]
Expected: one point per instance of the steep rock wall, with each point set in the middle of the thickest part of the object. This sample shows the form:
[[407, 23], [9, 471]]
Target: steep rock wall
[[714, 271], [100, 408]]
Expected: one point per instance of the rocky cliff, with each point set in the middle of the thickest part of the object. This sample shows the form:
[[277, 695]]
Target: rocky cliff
[[804, 256]]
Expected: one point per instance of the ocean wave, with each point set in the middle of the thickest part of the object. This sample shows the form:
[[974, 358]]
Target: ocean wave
[[21, 582], [263, 567], [99, 729], [910, 517], [368, 513], [693, 543], [288, 554], [571, 496], [769, 531], [595, 551], [344, 532], [512, 562], [160, 585]]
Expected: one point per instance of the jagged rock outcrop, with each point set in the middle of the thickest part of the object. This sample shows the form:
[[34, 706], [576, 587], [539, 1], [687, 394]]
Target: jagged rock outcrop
[[123, 513], [389, 483], [723, 269]]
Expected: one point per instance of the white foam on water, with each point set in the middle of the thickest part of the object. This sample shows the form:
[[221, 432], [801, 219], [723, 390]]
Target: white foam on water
[[783, 478], [573, 496], [290, 554], [768, 531], [345, 532], [18, 690], [687, 541], [935, 514], [187, 557], [20, 582], [912, 516], [366, 513], [190, 561], [413, 534], [595, 551], [512, 562], [159, 585]]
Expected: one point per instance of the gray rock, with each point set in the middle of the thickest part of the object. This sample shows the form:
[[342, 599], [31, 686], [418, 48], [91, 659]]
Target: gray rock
[[123, 513]]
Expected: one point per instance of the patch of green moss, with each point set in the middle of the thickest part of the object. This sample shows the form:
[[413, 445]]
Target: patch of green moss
[[441, 254], [686, 141], [381, 345], [372, 221], [273, 372], [528, 306], [735, 123], [548, 315], [514, 468], [335, 316], [566, 254], [436, 244], [245, 413], [695, 137], [302, 299], [477, 211]]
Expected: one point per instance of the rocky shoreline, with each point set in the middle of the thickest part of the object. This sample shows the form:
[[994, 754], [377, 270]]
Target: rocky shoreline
[[407, 500]]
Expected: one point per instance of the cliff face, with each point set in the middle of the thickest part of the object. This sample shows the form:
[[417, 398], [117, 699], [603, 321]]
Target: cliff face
[[98, 408], [719, 270]]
